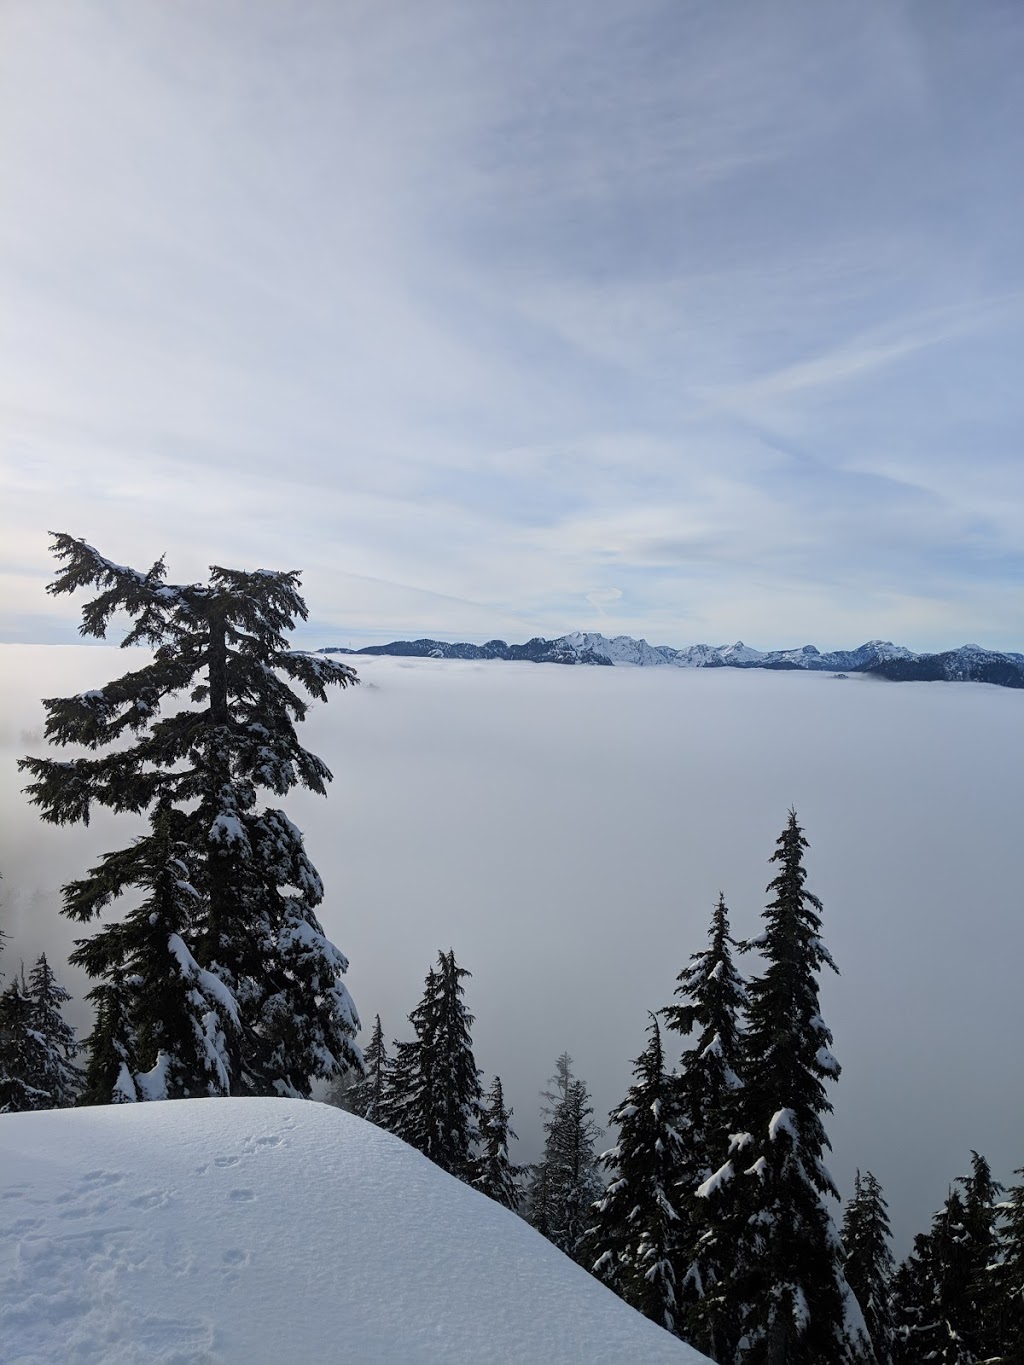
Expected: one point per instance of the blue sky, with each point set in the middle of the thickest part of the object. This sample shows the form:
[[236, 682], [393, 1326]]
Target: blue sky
[[678, 319]]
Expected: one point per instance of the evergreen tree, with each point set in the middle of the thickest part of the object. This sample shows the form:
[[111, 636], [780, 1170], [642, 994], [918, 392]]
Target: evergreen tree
[[367, 1095], [434, 1103], [493, 1172], [945, 1300], [541, 1190], [912, 1303], [253, 989], [17, 1094], [869, 1262], [634, 1236], [50, 1068], [788, 1287], [1008, 1278], [706, 1097], [565, 1183]]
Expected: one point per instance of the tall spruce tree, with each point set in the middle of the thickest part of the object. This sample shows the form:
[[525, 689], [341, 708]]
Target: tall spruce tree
[[434, 1103], [635, 1228], [869, 1262], [565, 1183], [790, 1295], [706, 1097], [253, 989], [493, 1172]]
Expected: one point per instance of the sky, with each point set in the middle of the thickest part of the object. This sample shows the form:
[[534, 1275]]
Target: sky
[[682, 320], [567, 832]]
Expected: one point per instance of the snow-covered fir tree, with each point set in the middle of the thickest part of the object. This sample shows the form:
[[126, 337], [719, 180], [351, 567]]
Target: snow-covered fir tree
[[494, 1174], [788, 1289], [366, 1095], [51, 1046], [191, 740], [434, 1097], [16, 1094], [869, 1263], [1008, 1277], [37, 1045], [635, 1228], [706, 1096], [565, 1183], [945, 1304]]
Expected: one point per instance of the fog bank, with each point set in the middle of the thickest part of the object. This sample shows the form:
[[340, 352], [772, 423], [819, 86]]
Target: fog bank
[[567, 831]]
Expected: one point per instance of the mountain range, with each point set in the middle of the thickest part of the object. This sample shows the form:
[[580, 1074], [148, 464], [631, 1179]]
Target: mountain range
[[969, 663]]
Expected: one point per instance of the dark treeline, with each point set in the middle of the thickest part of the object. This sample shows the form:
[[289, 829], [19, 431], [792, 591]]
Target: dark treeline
[[711, 1211]]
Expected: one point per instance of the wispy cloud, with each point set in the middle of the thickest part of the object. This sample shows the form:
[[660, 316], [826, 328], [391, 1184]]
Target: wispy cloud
[[409, 297]]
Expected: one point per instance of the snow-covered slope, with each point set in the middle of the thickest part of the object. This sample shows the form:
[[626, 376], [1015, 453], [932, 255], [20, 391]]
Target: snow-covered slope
[[271, 1231]]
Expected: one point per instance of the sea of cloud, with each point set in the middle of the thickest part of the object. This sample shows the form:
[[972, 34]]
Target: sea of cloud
[[567, 831]]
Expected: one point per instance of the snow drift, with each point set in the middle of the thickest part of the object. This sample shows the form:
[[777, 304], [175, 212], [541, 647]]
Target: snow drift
[[270, 1230]]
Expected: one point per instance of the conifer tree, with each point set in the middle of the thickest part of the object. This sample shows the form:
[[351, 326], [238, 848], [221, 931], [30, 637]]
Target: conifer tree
[[706, 1098], [565, 1183], [253, 989], [1008, 1278], [541, 1189], [913, 1302], [869, 1262], [17, 1095], [633, 1237], [52, 1047], [493, 1173], [367, 1095], [788, 1287], [434, 1103], [945, 1305]]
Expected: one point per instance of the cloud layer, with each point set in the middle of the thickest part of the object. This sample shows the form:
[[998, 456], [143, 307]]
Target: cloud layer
[[567, 831]]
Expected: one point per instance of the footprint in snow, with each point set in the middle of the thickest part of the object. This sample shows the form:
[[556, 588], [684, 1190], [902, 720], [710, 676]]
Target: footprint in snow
[[241, 1196], [152, 1199]]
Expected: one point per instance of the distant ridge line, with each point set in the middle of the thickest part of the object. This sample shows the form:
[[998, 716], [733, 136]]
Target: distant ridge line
[[881, 658]]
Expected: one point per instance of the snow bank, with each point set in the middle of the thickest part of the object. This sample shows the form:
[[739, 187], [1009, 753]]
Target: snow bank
[[272, 1231]]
